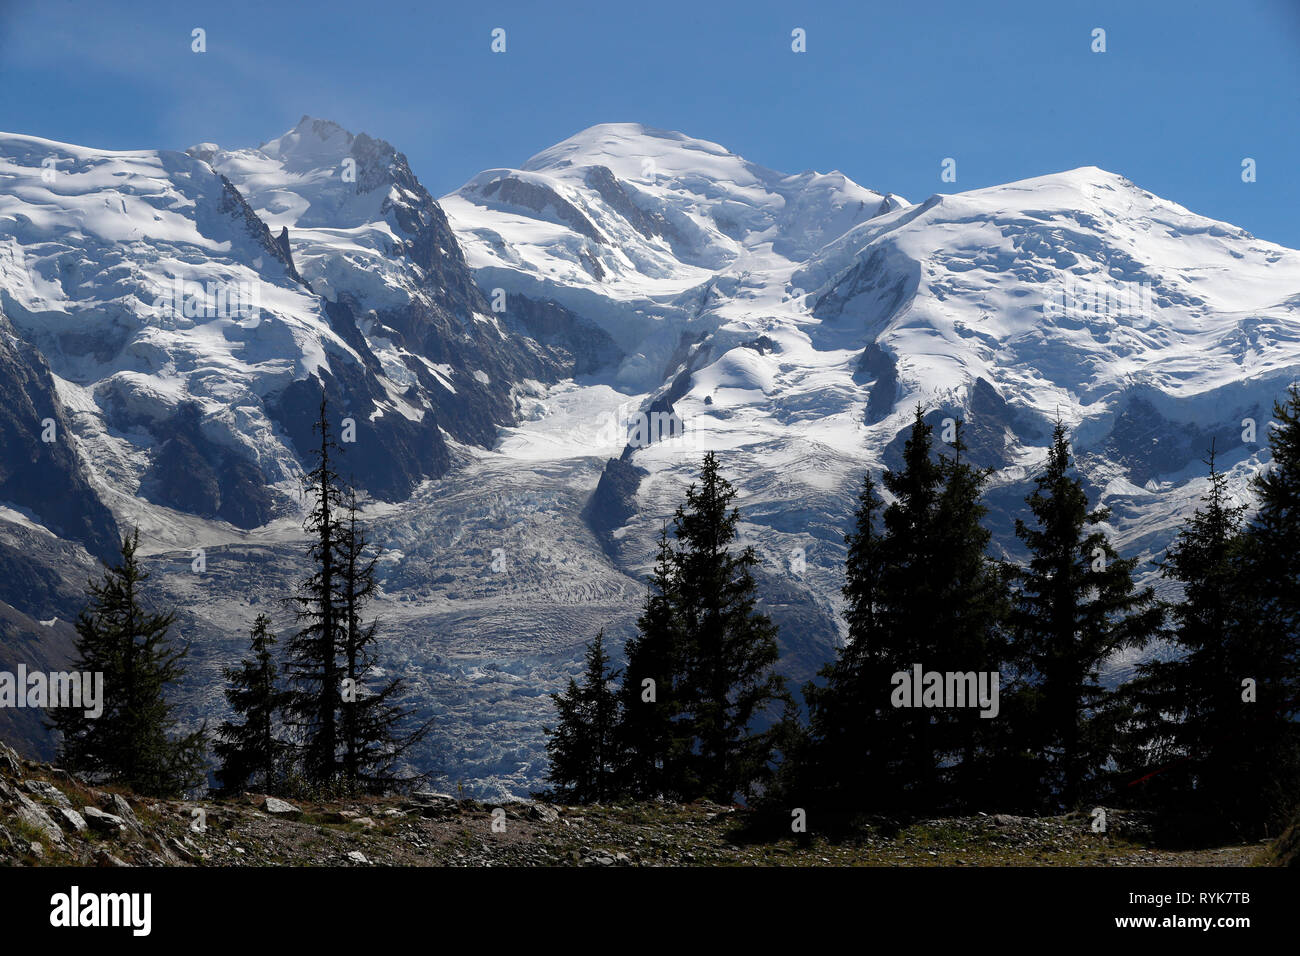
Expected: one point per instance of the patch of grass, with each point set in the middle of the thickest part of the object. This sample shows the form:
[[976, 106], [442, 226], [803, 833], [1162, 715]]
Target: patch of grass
[[28, 831]]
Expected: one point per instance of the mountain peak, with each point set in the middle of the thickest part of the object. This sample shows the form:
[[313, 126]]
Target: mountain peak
[[313, 142], [628, 149], [1084, 180]]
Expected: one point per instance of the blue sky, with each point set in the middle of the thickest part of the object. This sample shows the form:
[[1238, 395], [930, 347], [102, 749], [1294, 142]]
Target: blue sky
[[885, 91]]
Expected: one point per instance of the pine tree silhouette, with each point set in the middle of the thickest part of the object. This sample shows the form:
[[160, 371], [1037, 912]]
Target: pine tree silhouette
[[249, 751], [971, 620], [651, 736], [729, 646], [375, 731], [920, 588], [914, 581], [1076, 604], [312, 665], [837, 766], [134, 742], [584, 748], [1270, 651]]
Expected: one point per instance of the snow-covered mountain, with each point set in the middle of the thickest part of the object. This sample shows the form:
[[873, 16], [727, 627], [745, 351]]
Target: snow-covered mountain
[[1148, 329], [504, 351], [1073, 294]]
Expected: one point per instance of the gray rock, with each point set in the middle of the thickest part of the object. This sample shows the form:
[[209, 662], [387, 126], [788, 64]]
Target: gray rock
[[73, 819], [432, 797], [102, 822], [542, 813], [356, 856], [52, 481], [121, 808], [429, 804], [165, 854], [34, 816], [280, 808], [47, 792], [10, 761]]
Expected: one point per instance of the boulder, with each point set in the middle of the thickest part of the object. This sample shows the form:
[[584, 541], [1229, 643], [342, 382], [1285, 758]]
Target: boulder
[[73, 819], [1007, 820], [430, 804], [102, 822], [281, 808], [47, 792], [356, 856], [432, 798], [10, 761], [33, 815], [542, 813], [119, 807]]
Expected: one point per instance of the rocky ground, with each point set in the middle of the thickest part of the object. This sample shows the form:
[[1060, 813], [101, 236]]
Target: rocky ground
[[49, 817]]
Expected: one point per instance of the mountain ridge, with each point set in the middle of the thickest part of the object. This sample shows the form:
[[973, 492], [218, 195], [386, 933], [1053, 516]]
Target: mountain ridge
[[499, 348]]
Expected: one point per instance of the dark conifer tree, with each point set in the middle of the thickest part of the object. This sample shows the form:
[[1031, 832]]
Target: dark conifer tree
[[1272, 553], [134, 741], [730, 647], [357, 574], [969, 624], [313, 659], [836, 767], [1076, 605], [249, 750], [914, 583], [920, 589], [651, 735], [1188, 720], [375, 731], [584, 748], [1269, 654]]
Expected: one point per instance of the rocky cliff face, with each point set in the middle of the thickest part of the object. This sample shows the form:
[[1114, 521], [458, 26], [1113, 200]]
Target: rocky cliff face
[[42, 470]]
